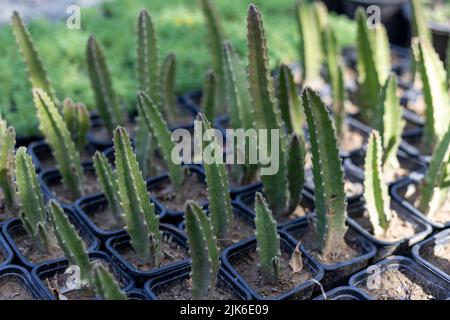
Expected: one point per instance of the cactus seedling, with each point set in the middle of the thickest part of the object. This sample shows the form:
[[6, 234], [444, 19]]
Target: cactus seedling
[[105, 284], [142, 223], [268, 241], [58, 136], [203, 250], [7, 171], [435, 187], [78, 122]]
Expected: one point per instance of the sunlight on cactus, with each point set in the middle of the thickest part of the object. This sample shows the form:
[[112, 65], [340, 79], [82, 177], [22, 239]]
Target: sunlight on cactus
[[7, 170]]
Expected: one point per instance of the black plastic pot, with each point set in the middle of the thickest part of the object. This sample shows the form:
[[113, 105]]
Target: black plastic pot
[[246, 201], [356, 126], [191, 101], [22, 277], [397, 191], [336, 274], [334, 5], [409, 139], [224, 280], [303, 291], [156, 182], [15, 227], [344, 293], [53, 176], [391, 14], [136, 294], [5, 250], [115, 244], [432, 243], [387, 248], [40, 150], [101, 144], [406, 266], [87, 207], [48, 269]]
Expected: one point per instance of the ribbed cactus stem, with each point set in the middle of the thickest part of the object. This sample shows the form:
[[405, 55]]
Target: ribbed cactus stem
[[209, 95], [36, 71], [267, 240], [106, 286], [375, 190], [142, 223], [329, 194], [220, 209], [295, 170], [7, 170], [57, 135], [33, 212], [420, 24], [168, 76], [289, 102], [435, 188], [203, 250], [76, 117], [108, 181], [105, 97], [69, 240]]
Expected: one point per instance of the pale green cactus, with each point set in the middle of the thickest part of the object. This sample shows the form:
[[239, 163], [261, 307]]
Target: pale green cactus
[[36, 71], [265, 112], [204, 252], [33, 212], [142, 223], [220, 210], [209, 95], [391, 124], [106, 287], [108, 181], [435, 92], [420, 24], [69, 240], [57, 135], [158, 126], [330, 200], [216, 38], [267, 240], [375, 189], [7, 170], [311, 54], [106, 99], [295, 170], [435, 188], [169, 101], [76, 117], [289, 102]]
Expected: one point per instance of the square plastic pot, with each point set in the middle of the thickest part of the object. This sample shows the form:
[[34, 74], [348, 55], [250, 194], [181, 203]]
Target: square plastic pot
[[440, 239], [15, 227], [400, 187], [245, 202], [344, 293], [224, 280], [48, 269], [20, 275], [136, 294], [336, 273], [5, 250], [406, 266], [302, 291], [190, 101], [114, 244], [410, 138], [87, 207], [387, 248]]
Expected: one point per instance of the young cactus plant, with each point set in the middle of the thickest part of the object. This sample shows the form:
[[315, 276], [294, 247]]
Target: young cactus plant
[[142, 223], [375, 189], [108, 181], [329, 194], [436, 187], [33, 212], [268, 241], [57, 135], [7, 170], [106, 286], [78, 122], [203, 250]]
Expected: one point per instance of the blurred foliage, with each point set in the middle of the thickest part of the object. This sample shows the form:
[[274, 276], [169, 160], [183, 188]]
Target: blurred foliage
[[180, 28]]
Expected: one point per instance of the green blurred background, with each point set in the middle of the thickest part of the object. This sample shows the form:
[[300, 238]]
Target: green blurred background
[[180, 27]]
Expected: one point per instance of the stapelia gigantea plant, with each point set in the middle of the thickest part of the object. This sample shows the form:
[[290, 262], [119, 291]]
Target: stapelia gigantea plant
[[7, 170], [204, 252], [76, 116], [57, 135], [330, 201], [106, 286], [373, 65], [141, 221], [435, 92], [266, 115]]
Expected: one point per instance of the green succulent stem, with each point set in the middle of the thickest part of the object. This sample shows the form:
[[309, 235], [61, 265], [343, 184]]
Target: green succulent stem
[[76, 116], [106, 286], [7, 168]]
